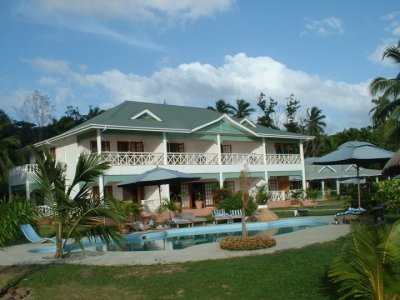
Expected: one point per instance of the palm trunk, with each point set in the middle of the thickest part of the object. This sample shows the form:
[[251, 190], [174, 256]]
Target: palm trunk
[[59, 241], [244, 229]]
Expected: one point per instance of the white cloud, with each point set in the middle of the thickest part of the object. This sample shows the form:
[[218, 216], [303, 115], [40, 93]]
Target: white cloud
[[131, 10], [114, 19], [324, 28], [198, 84], [376, 56], [394, 23]]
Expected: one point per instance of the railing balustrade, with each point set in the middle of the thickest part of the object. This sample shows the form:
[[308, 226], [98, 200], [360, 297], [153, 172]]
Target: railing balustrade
[[241, 159], [192, 159], [133, 158], [274, 159], [152, 158], [24, 169]]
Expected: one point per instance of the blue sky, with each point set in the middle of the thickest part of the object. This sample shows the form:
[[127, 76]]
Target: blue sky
[[99, 52]]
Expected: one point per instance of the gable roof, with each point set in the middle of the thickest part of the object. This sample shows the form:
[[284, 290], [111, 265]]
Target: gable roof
[[169, 118], [316, 172]]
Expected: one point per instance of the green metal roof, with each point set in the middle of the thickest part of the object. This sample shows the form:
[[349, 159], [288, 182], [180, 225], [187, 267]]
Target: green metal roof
[[170, 118], [326, 172]]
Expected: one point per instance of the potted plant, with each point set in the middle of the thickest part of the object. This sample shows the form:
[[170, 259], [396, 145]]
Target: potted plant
[[198, 202]]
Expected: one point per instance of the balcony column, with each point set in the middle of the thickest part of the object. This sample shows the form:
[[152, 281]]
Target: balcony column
[[165, 148], [323, 188], [221, 179], [101, 178], [303, 170]]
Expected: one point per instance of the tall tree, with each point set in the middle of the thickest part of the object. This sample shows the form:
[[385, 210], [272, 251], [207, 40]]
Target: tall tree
[[243, 109], [315, 126], [75, 214], [9, 141], [292, 105], [378, 113], [268, 111], [222, 107], [37, 109], [390, 90]]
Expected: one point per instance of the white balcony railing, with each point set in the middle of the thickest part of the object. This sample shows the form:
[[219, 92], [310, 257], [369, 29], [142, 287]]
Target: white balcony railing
[[154, 159], [241, 159], [24, 169], [192, 159], [274, 159], [133, 158]]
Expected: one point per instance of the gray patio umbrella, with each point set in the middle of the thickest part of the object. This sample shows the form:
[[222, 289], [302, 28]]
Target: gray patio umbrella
[[392, 167], [158, 176], [358, 153]]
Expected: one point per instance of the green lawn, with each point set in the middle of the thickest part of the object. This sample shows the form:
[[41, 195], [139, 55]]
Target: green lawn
[[292, 274]]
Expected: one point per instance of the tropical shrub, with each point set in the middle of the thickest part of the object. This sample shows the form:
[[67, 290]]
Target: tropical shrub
[[128, 208], [15, 212], [263, 195], [219, 194], [368, 266], [388, 192], [246, 243], [313, 194], [235, 202], [297, 194]]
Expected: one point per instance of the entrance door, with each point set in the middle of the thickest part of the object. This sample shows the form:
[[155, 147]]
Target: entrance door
[[135, 194]]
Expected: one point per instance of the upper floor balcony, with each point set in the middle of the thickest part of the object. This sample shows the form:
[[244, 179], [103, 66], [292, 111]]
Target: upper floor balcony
[[20, 174], [151, 158]]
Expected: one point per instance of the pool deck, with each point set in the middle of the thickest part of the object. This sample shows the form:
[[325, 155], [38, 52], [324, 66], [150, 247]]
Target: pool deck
[[17, 255]]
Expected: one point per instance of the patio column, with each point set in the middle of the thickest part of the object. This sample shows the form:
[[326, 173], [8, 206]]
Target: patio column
[[323, 188], [303, 170], [165, 148], [101, 178], [337, 186], [27, 190]]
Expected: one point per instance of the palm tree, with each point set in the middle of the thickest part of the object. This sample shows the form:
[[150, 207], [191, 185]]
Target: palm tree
[[75, 214], [315, 126], [389, 89], [242, 109], [368, 266], [222, 107], [378, 111]]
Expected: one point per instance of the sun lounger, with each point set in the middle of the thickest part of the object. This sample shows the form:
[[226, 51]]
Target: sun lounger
[[221, 215], [137, 226], [236, 214], [189, 215], [180, 221], [32, 236], [348, 216]]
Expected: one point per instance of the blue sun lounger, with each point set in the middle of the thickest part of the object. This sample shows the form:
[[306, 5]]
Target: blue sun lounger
[[32, 236]]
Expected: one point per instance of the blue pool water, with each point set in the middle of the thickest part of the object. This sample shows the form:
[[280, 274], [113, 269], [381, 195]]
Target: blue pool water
[[175, 239]]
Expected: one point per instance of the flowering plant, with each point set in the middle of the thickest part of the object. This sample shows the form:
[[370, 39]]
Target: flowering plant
[[246, 243]]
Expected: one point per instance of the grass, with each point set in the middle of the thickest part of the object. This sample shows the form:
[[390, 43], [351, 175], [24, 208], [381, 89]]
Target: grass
[[291, 274]]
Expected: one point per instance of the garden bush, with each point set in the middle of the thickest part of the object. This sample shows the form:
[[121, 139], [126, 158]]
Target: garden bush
[[246, 243], [235, 202], [388, 192]]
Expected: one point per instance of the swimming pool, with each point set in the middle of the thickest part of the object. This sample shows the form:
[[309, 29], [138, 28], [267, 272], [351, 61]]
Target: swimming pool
[[175, 239]]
